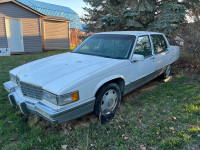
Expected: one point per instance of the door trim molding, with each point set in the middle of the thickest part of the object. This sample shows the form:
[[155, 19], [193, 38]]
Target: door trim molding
[[136, 84]]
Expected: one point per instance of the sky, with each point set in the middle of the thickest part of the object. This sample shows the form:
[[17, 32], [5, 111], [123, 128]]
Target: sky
[[75, 5]]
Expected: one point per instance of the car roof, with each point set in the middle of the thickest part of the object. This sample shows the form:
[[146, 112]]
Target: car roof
[[136, 33]]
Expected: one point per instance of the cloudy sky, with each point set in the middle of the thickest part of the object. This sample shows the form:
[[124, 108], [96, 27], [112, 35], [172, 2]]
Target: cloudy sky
[[75, 5]]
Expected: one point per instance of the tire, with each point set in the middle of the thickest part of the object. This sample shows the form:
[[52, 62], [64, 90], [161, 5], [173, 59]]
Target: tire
[[108, 98], [167, 72]]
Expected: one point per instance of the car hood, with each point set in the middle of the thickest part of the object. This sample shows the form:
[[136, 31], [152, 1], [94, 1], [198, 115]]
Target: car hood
[[68, 66]]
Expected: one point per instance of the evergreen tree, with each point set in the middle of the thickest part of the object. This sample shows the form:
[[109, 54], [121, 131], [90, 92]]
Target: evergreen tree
[[154, 15], [193, 8]]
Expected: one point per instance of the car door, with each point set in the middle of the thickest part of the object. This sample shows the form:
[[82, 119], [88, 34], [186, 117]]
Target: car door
[[140, 71], [161, 51]]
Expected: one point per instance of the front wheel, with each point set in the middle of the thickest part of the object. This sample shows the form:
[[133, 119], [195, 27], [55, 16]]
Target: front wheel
[[107, 99]]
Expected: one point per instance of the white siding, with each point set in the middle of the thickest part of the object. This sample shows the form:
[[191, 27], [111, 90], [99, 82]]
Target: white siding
[[30, 26]]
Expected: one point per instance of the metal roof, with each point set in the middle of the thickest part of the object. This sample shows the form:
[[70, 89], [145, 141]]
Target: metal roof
[[62, 19], [54, 10], [130, 32], [83, 26]]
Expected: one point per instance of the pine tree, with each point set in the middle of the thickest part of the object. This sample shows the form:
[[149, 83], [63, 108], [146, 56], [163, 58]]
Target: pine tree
[[155, 15], [193, 8]]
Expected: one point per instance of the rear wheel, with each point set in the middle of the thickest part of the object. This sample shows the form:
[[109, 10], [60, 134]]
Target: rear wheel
[[167, 72], [107, 99]]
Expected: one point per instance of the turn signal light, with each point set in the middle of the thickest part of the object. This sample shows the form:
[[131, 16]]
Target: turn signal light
[[75, 96]]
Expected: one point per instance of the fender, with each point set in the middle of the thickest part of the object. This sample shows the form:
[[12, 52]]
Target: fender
[[110, 78]]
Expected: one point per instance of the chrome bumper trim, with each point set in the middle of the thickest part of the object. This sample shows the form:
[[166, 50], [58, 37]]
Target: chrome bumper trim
[[53, 115], [9, 86]]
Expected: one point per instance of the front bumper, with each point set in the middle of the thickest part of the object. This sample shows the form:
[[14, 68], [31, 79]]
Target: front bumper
[[53, 115]]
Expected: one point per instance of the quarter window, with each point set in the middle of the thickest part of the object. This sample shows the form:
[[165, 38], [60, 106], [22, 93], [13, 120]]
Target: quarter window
[[159, 43], [143, 46]]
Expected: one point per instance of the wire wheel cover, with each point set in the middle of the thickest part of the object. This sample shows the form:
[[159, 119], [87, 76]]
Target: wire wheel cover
[[109, 100]]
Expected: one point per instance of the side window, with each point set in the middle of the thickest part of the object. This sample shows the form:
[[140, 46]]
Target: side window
[[143, 46], [159, 43]]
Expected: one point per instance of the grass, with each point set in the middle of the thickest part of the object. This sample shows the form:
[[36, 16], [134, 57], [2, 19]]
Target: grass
[[165, 116]]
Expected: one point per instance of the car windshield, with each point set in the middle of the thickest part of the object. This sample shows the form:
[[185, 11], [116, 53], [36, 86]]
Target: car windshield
[[107, 45]]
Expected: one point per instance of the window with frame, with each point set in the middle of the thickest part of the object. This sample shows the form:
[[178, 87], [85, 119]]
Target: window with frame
[[159, 43], [143, 46], [107, 45]]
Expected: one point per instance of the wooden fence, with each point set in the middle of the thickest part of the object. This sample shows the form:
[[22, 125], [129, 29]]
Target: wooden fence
[[74, 34]]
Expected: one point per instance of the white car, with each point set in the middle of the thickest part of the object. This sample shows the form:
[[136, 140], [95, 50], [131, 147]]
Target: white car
[[93, 77]]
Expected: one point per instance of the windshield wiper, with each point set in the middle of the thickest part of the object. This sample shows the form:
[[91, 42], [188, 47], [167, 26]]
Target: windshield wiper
[[100, 55]]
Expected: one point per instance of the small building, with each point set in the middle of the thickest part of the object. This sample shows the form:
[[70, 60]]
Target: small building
[[33, 26]]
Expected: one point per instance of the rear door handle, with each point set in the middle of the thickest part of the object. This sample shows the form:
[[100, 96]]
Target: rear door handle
[[167, 52], [152, 58]]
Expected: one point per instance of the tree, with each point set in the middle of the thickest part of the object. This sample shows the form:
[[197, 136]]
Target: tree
[[193, 8], [113, 15]]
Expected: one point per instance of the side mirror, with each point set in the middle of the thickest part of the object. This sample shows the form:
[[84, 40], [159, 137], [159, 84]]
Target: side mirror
[[137, 57]]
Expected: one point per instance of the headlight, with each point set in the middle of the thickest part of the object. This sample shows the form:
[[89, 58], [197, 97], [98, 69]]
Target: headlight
[[68, 98], [61, 100], [50, 97], [13, 78]]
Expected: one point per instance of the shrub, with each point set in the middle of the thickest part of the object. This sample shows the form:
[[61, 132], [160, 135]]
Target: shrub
[[191, 35]]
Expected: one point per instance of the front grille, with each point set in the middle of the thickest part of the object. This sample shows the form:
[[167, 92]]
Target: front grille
[[31, 91]]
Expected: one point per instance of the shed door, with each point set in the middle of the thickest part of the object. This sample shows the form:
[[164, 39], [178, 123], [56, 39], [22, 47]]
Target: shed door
[[14, 35]]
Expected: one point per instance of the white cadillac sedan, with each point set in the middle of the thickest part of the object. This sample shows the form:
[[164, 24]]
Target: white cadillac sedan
[[93, 77]]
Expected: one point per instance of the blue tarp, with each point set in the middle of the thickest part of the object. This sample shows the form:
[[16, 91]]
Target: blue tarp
[[54, 10]]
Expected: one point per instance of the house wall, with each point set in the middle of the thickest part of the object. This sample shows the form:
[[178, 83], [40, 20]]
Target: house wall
[[56, 35], [30, 26]]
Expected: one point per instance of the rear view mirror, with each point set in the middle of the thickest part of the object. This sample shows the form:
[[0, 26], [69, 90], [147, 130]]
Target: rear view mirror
[[137, 57]]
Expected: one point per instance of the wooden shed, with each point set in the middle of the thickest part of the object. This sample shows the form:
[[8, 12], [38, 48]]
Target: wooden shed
[[22, 29]]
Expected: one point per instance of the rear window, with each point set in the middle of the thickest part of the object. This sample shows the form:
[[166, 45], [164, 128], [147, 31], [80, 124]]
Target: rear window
[[159, 43]]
